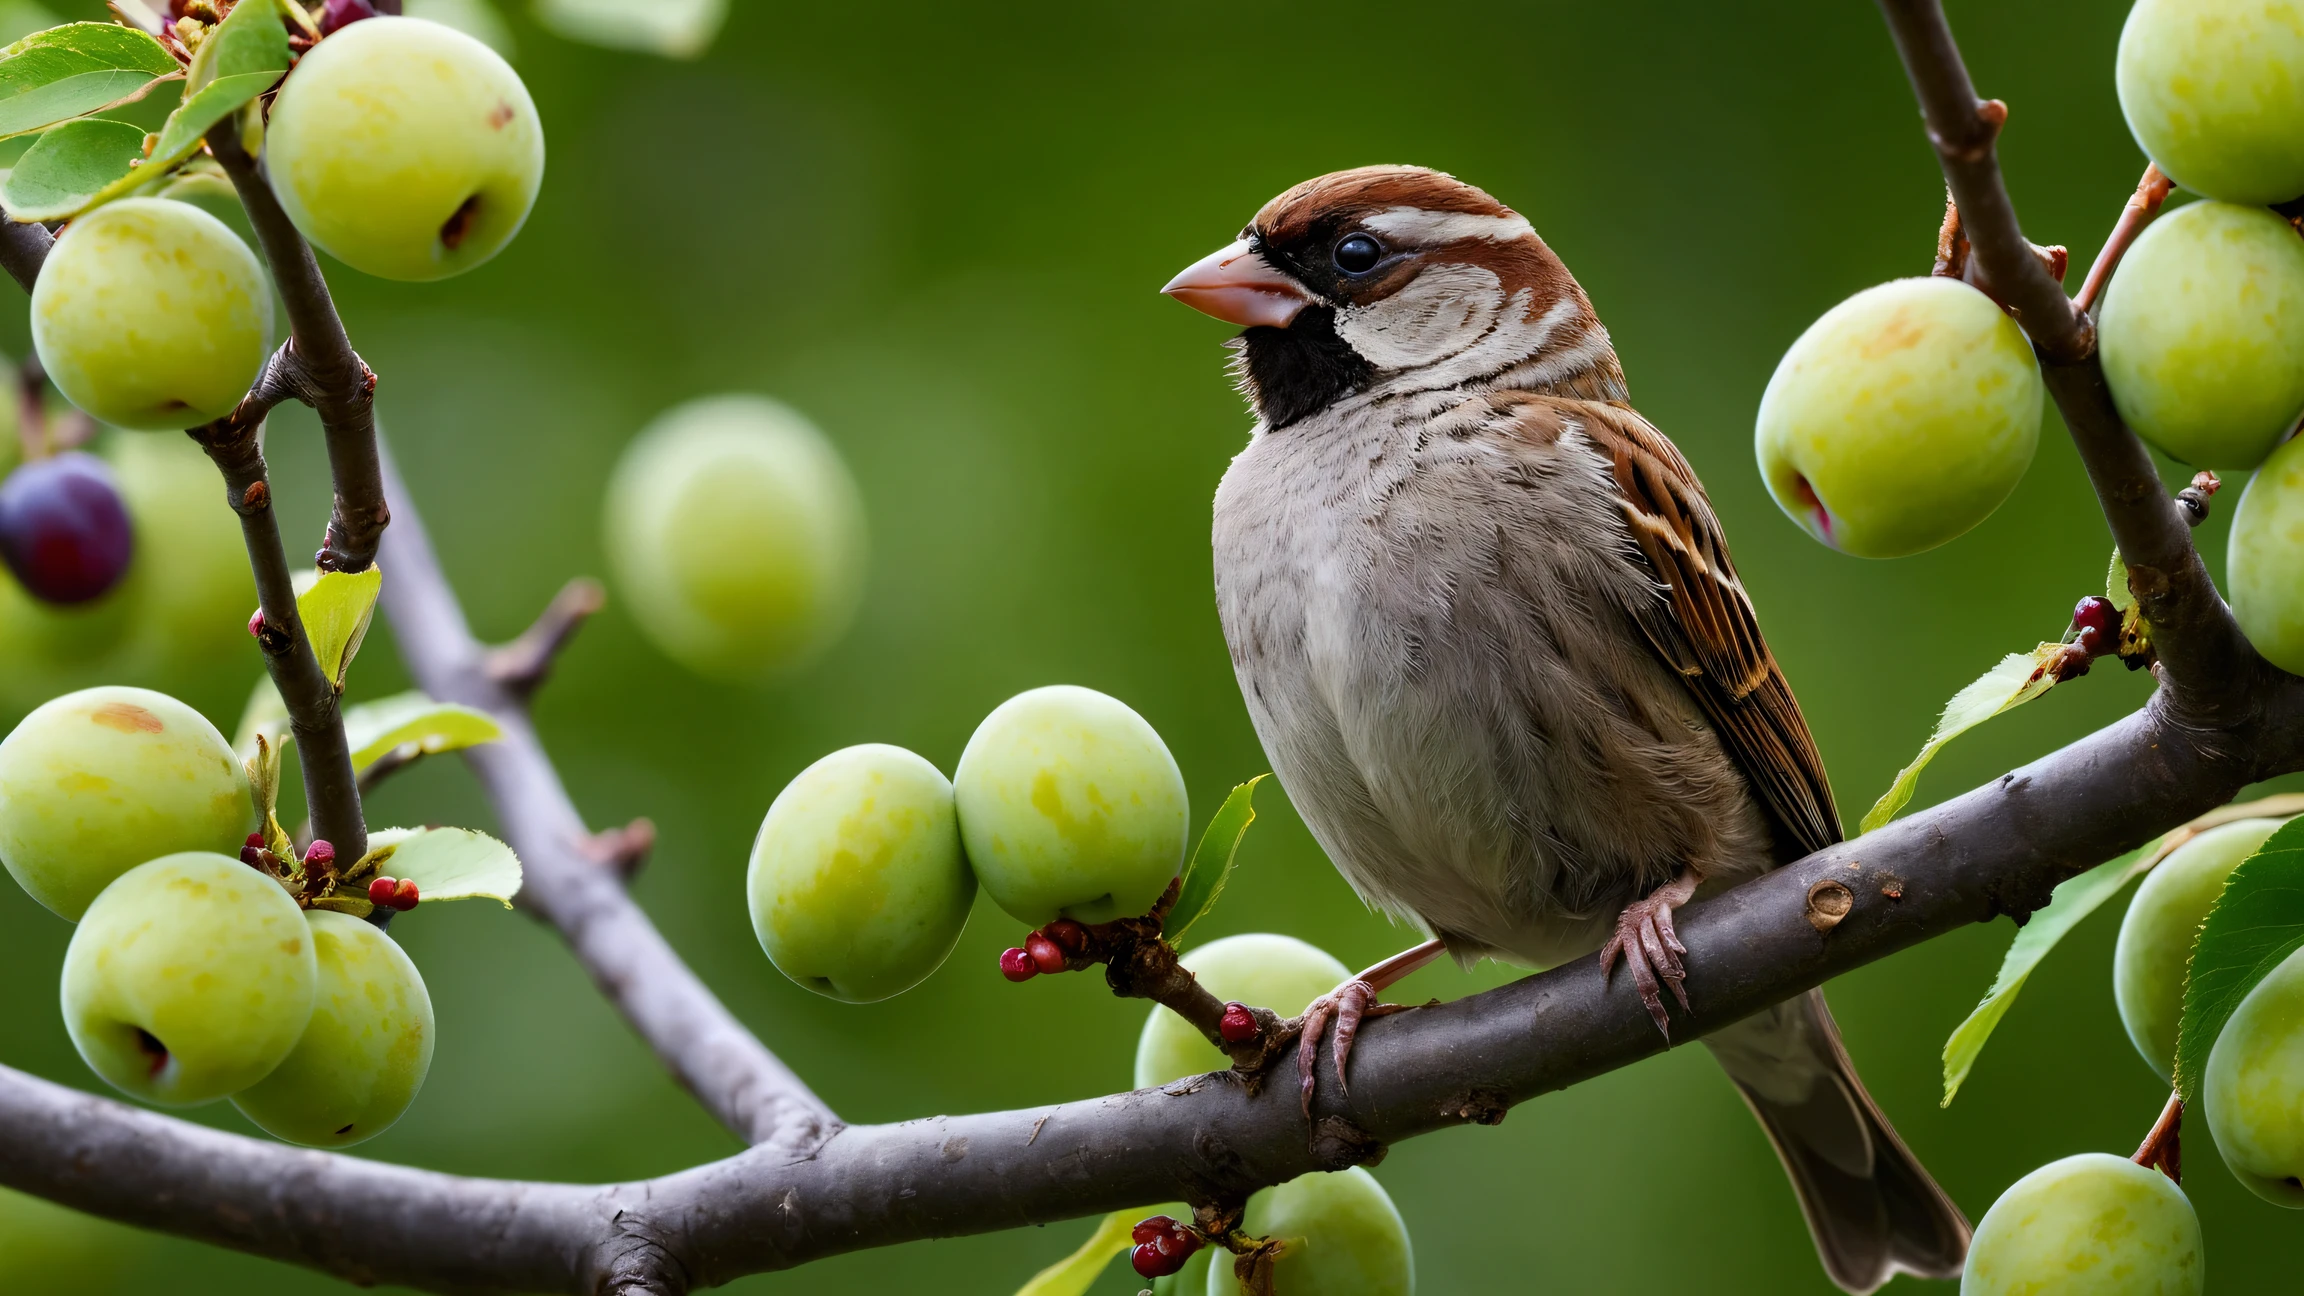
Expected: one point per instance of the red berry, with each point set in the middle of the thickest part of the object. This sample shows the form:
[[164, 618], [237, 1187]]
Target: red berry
[[2096, 612], [255, 841], [1043, 953], [1016, 965], [1239, 1024], [380, 891], [339, 14], [1176, 1246], [63, 530], [252, 856], [1149, 1229], [2095, 642], [1150, 1263], [321, 854], [256, 624], [1070, 937], [405, 896]]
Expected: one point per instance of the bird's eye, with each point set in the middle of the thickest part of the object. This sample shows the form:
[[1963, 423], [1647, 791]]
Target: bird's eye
[[1358, 254]]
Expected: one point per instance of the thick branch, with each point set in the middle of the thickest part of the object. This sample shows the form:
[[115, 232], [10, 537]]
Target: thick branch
[[2201, 648], [728, 1070]]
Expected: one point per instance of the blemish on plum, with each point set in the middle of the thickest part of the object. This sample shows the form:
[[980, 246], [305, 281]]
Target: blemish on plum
[[126, 717], [1814, 504], [503, 115], [346, 1130], [458, 226], [155, 1052]]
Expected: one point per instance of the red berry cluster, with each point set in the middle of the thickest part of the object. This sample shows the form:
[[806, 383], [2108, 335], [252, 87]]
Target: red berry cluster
[[1162, 1247], [254, 855], [2099, 625], [1050, 949], [1239, 1024], [388, 893], [320, 855]]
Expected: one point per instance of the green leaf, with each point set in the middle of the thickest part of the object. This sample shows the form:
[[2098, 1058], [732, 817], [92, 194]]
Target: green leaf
[[1212, 862], [2116, 584], [673, 28], [336, 609], [240, 59], [2256, 923], [69, 166], [447, 863], [1076, 1273], [376, 729], [74, 70], [2019, 678]]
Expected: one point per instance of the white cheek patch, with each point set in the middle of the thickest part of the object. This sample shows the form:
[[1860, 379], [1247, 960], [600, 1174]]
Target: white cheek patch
[[1417, 227], [1443, 310]]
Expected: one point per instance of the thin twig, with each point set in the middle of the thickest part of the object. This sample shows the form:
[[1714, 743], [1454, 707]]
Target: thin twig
[[523, 665], [2143, 205], [624, 850]]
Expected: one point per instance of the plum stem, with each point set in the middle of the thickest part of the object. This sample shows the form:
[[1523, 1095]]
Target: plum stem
[[2162, 1149], [2151, 192]]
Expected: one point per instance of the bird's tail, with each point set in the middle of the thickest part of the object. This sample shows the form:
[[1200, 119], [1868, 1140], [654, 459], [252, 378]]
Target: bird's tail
[[1872, 1209]]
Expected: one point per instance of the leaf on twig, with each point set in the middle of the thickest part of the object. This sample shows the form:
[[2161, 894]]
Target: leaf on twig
[[2019, 678], [447, 863], [374, 730], [241, 58], [1076, 1273], [76, 69], [2256, 923], [2116, 584], [336, 610], [69, 166], [1212, 862], [681, 29]]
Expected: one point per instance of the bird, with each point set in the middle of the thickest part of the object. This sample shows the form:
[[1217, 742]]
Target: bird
[[1487, 628]]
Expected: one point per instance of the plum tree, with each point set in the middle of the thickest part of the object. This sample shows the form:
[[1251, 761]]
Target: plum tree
[[1071, 807], [151, 314], [406, 149], [189, 979], [2211, 90], [365, 1051], [95, 783], [2088, 1225], [858, 887], [1261, 969], [64, 531], [737, 536], [2254, 1086], [1900, 419], [2265, 553], [2155, 947], [1340, 1233], [2202, 334]]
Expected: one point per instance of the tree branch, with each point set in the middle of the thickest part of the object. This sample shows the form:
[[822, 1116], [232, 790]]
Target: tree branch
[[2201, 649]]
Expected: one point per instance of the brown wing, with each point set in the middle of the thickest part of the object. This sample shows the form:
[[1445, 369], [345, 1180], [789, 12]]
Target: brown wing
[[1706, 628]]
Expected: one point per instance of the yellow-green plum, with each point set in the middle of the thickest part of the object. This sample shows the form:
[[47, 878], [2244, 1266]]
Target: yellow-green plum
[[1259, 969], [364, 1053], [2202, 334], [2214, 91], [190, 978], [2264, 565], [1900, 419], [2088, 1225], [1071, 807], [2155, 948], [737, 538], [2254, 1086], [151, 314], [95, 783], [405, 148], [858, 887], [1343, 1237]]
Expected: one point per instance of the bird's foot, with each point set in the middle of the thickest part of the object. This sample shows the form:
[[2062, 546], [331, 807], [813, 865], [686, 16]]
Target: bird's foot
[[1651, 949], [1346, 1007]]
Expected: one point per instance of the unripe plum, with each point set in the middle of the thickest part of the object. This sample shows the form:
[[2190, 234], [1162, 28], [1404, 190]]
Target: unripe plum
[[151, 314], [858, 887], [405, 148], [94, 783], [2155, 949], [1344, 1238], [1900, 419], [1260, 969], [190, 978], [1071, 807], [364, 1053], [737, 537], [2088, 1225], [2254, 1087], [2266, 555], [64, 531], [2202, 334], [2214, 91]]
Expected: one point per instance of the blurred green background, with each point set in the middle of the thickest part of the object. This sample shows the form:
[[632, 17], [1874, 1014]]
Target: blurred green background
[[938, 229]]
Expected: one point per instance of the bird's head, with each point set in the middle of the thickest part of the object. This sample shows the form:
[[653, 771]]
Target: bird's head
[[1396, 279]]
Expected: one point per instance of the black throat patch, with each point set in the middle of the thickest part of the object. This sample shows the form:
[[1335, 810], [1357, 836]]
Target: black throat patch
[[1290, 374]]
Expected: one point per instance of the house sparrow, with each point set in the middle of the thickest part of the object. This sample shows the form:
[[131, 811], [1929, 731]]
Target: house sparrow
[[1487, 627]]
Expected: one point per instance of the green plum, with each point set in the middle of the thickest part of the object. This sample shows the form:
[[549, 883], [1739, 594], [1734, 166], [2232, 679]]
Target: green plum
[[190, 978], [1900, 419], [2265, 554], [95, 783], [1259, 969], [2214, 91], [737, 536], [405, 148], [2148, 965], [151, 314], [2254, 1087], [1343, 1236], [364, 1053], [858, 887], [2202, 334], [2088, 1225], [1071, 807]]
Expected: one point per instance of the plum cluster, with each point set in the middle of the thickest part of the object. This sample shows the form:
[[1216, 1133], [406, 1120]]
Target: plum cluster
[[194, 972]]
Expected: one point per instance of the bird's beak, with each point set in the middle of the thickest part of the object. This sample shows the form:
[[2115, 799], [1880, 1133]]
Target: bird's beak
[[1239, 287]]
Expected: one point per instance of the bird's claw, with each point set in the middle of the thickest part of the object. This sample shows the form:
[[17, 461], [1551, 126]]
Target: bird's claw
[[1651, 950]]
